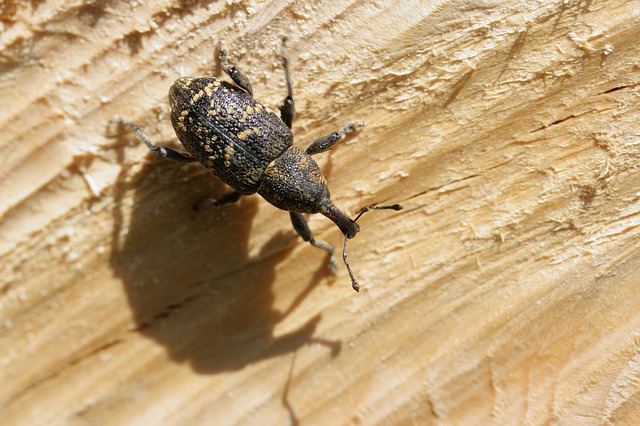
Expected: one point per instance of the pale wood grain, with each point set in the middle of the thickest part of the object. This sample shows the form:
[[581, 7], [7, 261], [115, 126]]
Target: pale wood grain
[[506, 292]]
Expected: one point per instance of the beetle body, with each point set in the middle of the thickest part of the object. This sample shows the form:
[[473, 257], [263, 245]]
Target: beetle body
[[250, 148], [226, 130]]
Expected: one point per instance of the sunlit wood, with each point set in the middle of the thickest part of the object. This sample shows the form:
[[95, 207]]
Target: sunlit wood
[[506, 292]]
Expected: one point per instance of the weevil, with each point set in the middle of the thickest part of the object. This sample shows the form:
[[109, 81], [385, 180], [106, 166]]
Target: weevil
[[250, 148]]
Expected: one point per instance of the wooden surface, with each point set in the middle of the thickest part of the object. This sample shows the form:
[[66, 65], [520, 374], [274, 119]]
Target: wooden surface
[[506, 292]]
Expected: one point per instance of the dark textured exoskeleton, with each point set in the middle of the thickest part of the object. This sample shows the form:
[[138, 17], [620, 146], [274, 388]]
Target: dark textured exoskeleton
[[250, 148]]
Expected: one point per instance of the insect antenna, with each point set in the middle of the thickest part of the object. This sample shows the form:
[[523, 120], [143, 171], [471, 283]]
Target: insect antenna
[[354, 283]]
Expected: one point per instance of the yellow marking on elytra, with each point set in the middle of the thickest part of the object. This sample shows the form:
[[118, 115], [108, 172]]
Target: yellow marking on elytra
[[197, 96], [244, 134], [246, 113], [185, 82], [214, 110], [228, 155], [208, 90]]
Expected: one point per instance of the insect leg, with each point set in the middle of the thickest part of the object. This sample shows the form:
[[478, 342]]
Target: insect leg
[[160, 150], [228, 198], [326, 142], [233, 72], [302, 228], [288, 108]]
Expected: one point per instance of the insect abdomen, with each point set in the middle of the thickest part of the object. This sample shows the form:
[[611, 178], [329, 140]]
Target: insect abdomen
[[225, 129]]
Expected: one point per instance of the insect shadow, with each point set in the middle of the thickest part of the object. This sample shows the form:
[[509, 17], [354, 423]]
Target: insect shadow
[[189, 278]]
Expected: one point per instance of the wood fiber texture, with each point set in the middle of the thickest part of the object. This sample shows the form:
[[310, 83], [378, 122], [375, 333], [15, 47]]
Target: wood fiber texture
[[506, 292]]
